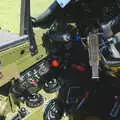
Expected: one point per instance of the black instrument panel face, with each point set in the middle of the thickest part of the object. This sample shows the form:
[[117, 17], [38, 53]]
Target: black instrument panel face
[[34, 73]]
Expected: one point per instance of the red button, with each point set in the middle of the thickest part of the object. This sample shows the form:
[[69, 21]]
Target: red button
[[34, 82]]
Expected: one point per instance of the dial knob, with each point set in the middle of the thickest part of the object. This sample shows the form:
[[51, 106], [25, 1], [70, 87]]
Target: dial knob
[[35, 100]]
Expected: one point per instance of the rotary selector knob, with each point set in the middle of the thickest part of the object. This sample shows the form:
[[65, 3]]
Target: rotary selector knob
[[35, 100]]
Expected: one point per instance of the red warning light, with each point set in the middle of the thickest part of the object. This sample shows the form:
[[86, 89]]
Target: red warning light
[[55, 63]]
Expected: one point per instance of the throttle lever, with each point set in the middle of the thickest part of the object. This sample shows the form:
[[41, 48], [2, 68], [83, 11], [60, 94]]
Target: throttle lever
[[93, 50]]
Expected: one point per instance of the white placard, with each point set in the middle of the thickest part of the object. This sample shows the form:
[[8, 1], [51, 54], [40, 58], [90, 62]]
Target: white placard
[[63, 3]]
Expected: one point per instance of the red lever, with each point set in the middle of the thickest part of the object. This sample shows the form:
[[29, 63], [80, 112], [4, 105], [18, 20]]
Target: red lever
[[79, 68]]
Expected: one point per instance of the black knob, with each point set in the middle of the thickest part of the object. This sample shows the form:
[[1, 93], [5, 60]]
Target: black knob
[[23, 112], [51, 85], [54, 110], [34, 100]]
